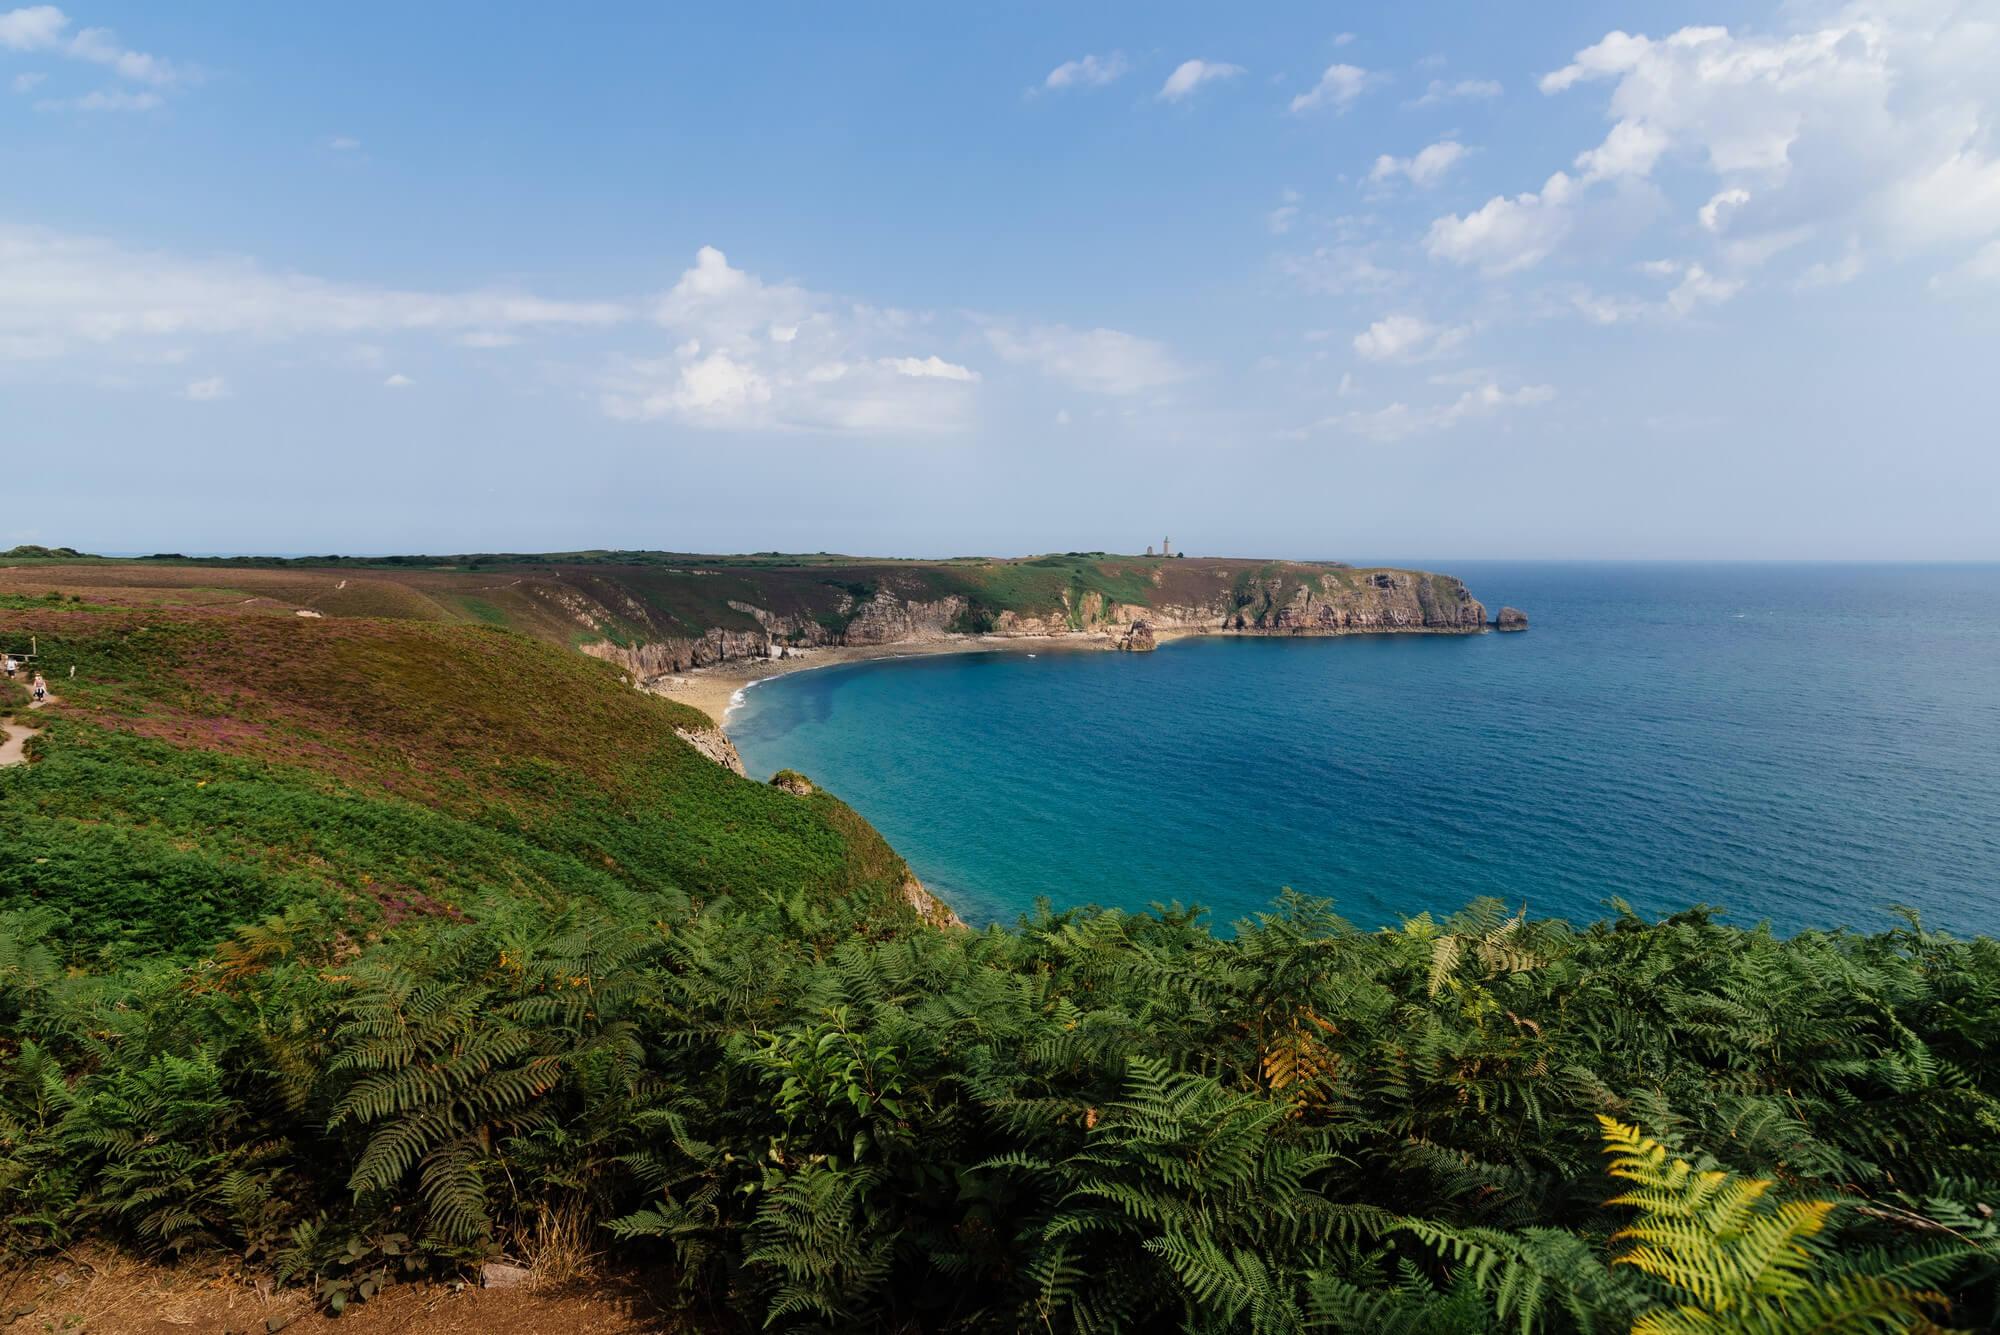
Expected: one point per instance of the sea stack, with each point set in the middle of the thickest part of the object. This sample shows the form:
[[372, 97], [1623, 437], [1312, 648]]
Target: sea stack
[[1511, 618], [1139, 639]]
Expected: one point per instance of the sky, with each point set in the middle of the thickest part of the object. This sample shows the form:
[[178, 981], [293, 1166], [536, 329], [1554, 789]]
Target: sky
[[1296, 279]]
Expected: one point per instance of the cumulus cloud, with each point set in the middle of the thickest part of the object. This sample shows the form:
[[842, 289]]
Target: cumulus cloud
[[1505, 235], [1337, 89], [1427, 166], [1103, 361], [206, 391], [398, 381], [1190, 75], [34, 28], [774, 355], [1721, 204], [1407, 338], [1869, 122], [1699, 287], [1087, 72], [343, 143], [46, 28], [1879, 114]]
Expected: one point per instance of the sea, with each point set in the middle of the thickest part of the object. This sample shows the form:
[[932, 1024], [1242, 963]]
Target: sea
[[1808, 745]]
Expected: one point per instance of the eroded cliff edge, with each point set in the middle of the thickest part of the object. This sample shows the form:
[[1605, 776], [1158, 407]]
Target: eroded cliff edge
[[1121, 603]]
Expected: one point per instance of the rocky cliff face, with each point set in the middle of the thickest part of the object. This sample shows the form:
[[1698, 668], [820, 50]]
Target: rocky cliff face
[[1233, 598], [715, 744]]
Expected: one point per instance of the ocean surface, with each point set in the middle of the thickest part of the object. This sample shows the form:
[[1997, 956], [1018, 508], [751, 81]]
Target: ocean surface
[[1807, 744]]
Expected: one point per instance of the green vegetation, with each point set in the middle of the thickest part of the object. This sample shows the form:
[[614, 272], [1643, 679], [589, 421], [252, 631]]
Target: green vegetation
[[366, 948]]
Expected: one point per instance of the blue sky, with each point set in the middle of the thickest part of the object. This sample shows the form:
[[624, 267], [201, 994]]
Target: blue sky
[[1430, 281]]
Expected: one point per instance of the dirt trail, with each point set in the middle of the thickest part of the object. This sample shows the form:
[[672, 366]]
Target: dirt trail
[[14, 737], [14, 743]]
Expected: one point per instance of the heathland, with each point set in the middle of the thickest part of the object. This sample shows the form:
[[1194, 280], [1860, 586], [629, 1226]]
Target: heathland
[[382, 943]]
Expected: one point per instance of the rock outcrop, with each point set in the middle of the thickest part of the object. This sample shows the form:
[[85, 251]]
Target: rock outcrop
[[715, 744], [1138, 639], [793, 782], [928, 906], [1510, 618]]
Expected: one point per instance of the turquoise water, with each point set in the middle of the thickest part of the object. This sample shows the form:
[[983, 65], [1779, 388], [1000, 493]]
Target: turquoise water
[[1802, 743]]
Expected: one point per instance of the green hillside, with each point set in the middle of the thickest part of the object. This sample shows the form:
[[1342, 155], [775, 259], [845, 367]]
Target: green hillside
[[620, 600], [364, 949], [206, 769]]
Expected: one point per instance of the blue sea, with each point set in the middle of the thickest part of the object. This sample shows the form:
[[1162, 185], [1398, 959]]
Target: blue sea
[[1803, 744]]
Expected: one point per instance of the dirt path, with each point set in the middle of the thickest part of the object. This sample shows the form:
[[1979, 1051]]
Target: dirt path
[[90, 1292], [14, 737], [14, 743]]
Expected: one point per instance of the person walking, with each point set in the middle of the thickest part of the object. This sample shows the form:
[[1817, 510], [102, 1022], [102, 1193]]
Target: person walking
[[41, 689], [10, 667]]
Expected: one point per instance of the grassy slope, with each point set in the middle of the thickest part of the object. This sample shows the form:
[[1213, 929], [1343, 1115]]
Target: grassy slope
[[209, 767], [639, 597]]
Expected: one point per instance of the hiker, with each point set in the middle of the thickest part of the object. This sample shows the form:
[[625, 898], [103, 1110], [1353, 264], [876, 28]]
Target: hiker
[[10, 667], [41, 689]]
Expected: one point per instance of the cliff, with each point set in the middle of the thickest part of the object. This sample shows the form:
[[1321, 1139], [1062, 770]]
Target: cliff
[[1124, 603], [655, 613]]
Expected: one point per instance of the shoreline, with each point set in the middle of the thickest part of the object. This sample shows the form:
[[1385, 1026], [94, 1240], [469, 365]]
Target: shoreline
[[718, 691]]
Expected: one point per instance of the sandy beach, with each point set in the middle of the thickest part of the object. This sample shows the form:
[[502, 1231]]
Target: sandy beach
[[714, 689]]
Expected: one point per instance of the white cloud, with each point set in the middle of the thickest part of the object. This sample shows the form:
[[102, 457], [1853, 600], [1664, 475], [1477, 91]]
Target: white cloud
[[398, 381], [35, 28], [1398, 421], [932, 367], [26, 83], [1630, 149], [487, 338], [1426, 167], [1697, 287], [1407, 338], [1873, 115], [206, 391], [1721, 204], [1103, 361], [1192, 74], [81, 291], [1337, 88], [1087, 72], [344, 143], [46, 28], [1505, 235], [761, 355], [1343, 39], [1439, 91]]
